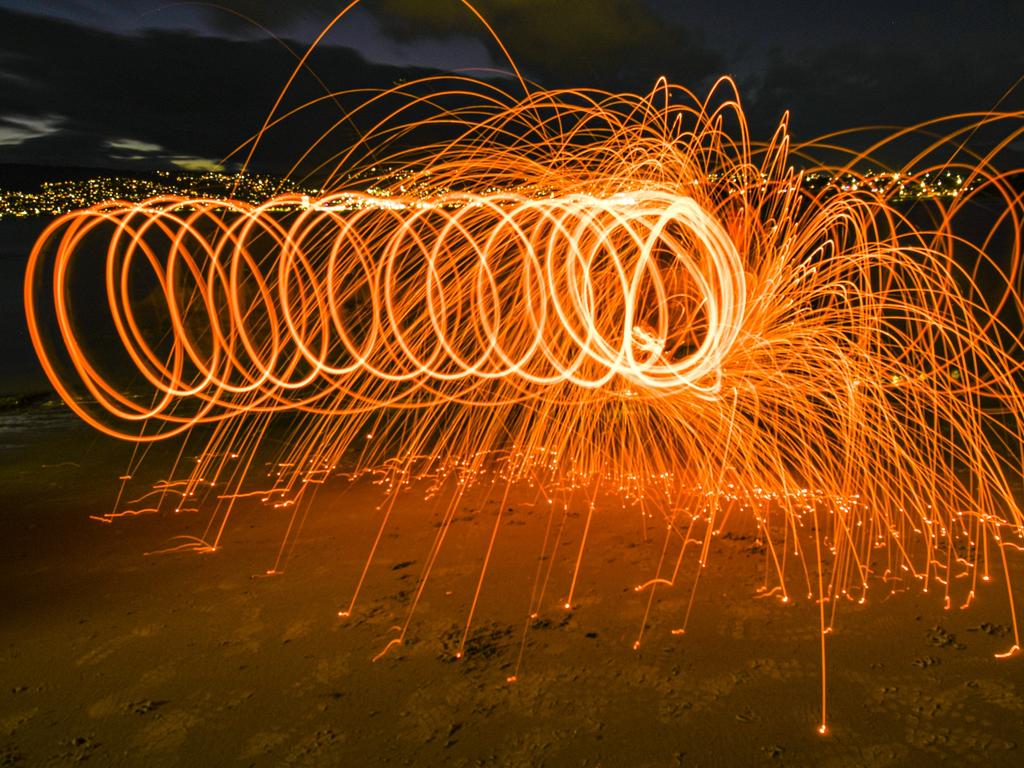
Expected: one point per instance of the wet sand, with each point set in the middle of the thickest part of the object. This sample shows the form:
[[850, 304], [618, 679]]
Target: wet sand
[[112, 657]]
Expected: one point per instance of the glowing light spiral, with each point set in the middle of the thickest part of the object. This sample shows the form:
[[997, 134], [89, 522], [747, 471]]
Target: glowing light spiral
[[596, 290], [537, 291]]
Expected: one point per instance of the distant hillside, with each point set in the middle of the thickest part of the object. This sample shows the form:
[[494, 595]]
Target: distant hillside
[[27, 177]]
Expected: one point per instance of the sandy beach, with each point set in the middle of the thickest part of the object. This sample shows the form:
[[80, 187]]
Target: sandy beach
[[114, 657]]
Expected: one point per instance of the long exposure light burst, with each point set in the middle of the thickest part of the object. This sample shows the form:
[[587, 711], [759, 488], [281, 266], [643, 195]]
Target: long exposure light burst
[[598, 294]]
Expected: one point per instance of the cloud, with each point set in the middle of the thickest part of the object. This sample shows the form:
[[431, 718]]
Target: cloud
[[15, 130], [133, 145], [145, 99], [196, 164], [162, 95], [17, 79], [273, 13], [612, 43]]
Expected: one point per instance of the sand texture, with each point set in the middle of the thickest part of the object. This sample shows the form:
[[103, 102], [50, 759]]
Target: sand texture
[[112, 657]]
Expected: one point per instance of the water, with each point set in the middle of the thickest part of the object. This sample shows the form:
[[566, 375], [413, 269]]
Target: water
[[19, 369], [20, 427]]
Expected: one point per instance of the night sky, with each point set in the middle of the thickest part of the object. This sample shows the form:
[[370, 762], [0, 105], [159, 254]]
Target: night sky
[[145, 83]]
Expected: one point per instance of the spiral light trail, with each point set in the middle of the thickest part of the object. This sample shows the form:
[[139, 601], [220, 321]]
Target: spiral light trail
[[598, 293]]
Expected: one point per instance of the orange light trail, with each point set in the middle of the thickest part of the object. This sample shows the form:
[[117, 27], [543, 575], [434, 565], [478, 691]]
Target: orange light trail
[[595, 294]]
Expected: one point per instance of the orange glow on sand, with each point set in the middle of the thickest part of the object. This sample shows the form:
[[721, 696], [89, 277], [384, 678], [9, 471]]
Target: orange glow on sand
[[599, 296]]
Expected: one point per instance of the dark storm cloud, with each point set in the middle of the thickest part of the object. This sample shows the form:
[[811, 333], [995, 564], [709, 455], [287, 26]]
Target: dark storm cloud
[[81, 94], [77, 95], [609, 43], [94, 82], [273, 13]]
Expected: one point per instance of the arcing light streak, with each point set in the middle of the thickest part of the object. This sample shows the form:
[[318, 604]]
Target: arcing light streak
[[594, 292]]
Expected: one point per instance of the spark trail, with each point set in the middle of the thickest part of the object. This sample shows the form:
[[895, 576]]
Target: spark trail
[[596, 294]]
